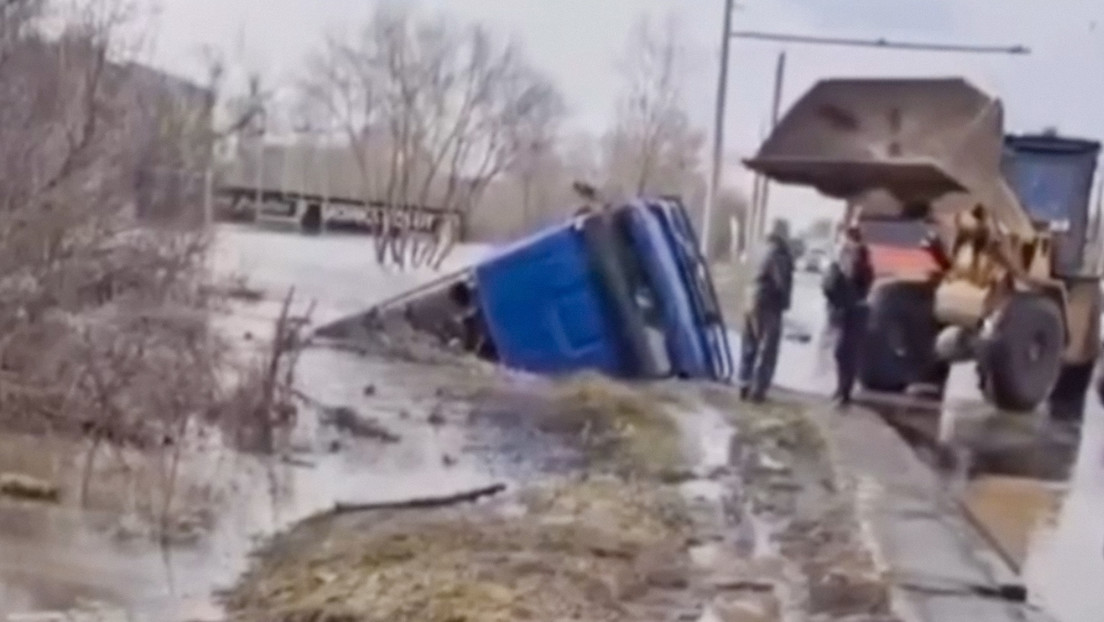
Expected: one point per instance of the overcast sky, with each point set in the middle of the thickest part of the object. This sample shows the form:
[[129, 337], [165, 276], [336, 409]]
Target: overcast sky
[[578, 43]]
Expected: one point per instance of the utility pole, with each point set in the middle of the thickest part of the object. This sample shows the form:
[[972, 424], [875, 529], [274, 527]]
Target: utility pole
[[718, 130], [759, 208]]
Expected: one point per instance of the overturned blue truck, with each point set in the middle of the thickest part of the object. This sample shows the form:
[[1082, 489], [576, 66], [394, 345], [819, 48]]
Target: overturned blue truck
[[623, 290]]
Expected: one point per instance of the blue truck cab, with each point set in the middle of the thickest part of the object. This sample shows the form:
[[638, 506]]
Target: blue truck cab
[[622, 290]]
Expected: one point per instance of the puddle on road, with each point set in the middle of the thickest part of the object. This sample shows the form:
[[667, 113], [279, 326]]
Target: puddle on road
[[1033, 486], [1063, 540]]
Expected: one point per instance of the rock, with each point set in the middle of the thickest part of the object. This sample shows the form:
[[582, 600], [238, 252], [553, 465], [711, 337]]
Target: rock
[[129, 527], [346, 419], [664, 567], [436, 417], [625, 584], [840, 593], [757, 608], [369, 390], [720, 472], [751, 575], [768, 464], [675, 475], [20, 486]]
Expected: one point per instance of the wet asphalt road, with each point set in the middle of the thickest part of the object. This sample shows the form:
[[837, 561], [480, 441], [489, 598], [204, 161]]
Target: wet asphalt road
[[1064, 567]]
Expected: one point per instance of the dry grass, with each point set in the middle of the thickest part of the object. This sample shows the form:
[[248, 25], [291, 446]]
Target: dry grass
[[629, 427], [578, 553]]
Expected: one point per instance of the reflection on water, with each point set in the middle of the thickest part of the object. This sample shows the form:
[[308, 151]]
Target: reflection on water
[[1038, 483], [1066, 566], [56, 558], [1033, 486]]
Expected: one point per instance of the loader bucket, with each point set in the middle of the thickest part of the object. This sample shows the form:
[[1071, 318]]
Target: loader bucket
[[930, 141]]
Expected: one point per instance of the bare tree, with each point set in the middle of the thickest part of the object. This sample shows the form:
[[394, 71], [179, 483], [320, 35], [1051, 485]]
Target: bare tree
[[433, 112], [653, 147]]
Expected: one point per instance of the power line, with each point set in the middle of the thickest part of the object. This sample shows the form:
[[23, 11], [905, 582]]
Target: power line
[[881, 43], [718, 131]]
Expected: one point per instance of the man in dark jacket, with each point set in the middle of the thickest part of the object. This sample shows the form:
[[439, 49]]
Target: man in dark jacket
[[846, 286], [763, 323]]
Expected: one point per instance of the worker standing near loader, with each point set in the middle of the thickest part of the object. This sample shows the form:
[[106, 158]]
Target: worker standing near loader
[[846, 285], [763, 323]]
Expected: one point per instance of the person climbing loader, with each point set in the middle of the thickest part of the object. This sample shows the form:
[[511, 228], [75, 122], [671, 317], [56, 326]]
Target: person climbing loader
[[1018, 287]]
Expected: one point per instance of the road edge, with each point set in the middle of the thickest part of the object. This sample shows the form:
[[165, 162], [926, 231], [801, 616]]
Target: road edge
[[940, 568]]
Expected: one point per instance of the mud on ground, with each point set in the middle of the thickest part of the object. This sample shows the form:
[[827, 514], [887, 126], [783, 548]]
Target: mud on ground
[[791, 484], [642, 530]]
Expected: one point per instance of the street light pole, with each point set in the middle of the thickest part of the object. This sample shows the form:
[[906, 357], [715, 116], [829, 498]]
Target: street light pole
[[718, 131]]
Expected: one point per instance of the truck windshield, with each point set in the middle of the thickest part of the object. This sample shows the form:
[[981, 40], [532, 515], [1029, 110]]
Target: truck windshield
[[643, 318], [695, 272], [643, 293]]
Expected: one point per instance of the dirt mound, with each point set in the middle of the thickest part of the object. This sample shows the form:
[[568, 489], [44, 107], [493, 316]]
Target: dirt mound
[[579, 550]]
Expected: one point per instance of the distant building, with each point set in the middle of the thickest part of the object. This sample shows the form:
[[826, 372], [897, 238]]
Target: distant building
[[171, 124]]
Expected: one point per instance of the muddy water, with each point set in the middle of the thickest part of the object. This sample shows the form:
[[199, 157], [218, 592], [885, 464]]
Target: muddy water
[[58, 558], [1040, 481]]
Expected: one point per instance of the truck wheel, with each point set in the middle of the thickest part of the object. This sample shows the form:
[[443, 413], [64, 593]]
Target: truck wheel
[[1022, 353], [901, 330], [1067, 400]]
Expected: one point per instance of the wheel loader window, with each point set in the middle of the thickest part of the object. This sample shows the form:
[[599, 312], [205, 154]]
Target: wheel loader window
[[916, 210], [1049, 187]]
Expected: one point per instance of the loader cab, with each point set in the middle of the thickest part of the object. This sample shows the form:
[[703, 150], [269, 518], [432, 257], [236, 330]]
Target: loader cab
[[1052, 176]]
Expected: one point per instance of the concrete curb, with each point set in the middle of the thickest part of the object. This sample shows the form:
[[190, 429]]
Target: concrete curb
[[941, 568]]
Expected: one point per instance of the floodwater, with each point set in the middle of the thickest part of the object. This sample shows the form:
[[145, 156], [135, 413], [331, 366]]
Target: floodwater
[[55, 558], [1034, 486]]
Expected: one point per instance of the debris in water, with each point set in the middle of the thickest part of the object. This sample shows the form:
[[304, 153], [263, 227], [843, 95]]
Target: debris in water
[[348, 420], [297, 462], [436, 418], [21, 486], [466, 496]]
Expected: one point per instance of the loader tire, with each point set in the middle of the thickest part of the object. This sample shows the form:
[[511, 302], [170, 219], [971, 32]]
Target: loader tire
[[1021, 357], [898, 349], [1067, 399]]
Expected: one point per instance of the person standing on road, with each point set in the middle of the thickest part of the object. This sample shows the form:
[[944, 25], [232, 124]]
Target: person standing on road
[[846, 285], [763, 323]]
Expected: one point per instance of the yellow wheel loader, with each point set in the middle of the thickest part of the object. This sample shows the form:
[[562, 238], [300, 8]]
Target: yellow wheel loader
[[983, 244]]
